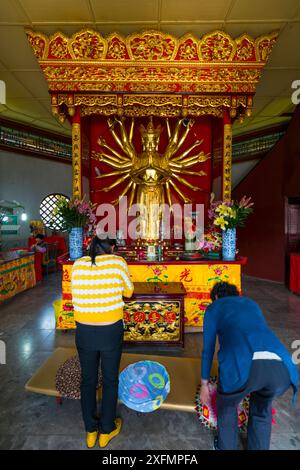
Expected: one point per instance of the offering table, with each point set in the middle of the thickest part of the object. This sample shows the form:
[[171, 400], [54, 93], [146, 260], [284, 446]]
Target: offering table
[[16, 274], [197, 277]]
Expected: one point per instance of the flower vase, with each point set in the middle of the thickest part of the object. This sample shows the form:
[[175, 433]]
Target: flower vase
[[190, 244], [76, 243], [229, 244]]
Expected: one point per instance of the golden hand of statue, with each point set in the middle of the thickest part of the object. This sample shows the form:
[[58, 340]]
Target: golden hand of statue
[[202, 157], [120, 121], [191, 123], [111, 122], [101, 141]]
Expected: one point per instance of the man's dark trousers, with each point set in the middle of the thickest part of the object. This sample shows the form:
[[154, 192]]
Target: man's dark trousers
[[267, 379]]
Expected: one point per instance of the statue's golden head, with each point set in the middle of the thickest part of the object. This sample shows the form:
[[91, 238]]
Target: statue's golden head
[[150, 136]]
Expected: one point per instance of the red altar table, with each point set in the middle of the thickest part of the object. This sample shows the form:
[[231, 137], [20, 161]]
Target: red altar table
[[295, 272], [197, 278], [16, 274], [38, 259]]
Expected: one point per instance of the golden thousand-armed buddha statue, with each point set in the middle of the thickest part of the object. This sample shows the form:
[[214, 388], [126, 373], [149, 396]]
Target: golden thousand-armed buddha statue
[[150, 175]]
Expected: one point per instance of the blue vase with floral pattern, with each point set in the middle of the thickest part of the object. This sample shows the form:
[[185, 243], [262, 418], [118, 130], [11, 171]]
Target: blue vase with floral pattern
[[76, 243], [229, 244]]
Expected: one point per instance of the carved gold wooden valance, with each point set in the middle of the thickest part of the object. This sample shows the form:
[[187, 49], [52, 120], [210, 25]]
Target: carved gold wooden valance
[[151, 73]]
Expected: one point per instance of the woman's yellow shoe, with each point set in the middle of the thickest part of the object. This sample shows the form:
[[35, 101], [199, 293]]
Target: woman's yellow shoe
[[91, 439], [105, 438]]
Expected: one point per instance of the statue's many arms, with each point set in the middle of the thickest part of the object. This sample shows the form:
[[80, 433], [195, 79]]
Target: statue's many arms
[[150, 175]]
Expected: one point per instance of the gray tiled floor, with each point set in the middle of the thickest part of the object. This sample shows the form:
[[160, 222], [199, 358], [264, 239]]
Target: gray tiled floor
[[29, 421]]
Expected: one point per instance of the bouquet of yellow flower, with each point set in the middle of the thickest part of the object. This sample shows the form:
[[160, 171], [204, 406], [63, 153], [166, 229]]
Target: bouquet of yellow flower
[[231, 214]]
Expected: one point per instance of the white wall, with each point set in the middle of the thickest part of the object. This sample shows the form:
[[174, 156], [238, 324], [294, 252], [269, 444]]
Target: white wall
[[28, 180]]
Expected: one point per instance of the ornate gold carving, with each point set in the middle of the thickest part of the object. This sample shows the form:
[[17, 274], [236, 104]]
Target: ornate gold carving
[[245, 49], [135, 105], [89, 45], [95, 100], [242, 101], [152, 320], [196, 111], [152, 100], [116, 48], [55, 110], [96, 86], [217, 46], [227, 156], [188, 48], [264, 46], [38, 43], [206, 101], [135, 75], [58, 47], [107, 110], [152, 87], [151, 45], [151, 62], [164, 111], [76, 160], [71, 111]]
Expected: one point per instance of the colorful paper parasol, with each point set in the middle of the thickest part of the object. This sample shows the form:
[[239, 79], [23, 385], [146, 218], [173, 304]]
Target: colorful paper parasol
[[144, 385]]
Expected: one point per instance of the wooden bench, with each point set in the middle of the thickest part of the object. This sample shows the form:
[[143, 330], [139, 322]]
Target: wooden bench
[[184, 375]]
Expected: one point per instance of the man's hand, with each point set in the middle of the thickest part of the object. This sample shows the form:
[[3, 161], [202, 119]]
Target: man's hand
[[204, 392]]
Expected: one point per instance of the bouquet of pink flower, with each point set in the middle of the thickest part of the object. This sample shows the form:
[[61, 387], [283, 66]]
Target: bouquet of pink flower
[[76, 213], [212, 241]]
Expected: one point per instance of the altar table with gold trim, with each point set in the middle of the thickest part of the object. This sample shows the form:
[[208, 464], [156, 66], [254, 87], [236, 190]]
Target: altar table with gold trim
[[197, 277], [16, 275]]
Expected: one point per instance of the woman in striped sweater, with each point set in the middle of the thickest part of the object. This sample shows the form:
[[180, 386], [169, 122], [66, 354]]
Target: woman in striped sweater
[[99, 282]]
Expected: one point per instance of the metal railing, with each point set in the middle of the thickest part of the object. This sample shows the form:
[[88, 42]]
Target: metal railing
[[256, 145], [37, 144]]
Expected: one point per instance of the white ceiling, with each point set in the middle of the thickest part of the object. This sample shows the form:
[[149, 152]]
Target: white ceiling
[[27, 94]]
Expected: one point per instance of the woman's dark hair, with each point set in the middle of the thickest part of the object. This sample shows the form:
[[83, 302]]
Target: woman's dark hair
[[40, 235], [223, 289], [100, 246]]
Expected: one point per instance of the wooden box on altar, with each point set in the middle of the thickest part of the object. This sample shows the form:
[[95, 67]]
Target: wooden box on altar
[[155, 314]]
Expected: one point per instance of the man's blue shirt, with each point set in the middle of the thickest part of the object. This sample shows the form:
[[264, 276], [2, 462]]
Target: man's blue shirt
[[242, 330]]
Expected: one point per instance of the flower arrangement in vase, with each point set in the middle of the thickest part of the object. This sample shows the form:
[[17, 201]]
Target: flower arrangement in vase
[[75, 215], [211, 244], [227, 215]]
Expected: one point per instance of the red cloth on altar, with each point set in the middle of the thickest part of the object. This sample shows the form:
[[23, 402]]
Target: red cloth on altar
[[295, 272]]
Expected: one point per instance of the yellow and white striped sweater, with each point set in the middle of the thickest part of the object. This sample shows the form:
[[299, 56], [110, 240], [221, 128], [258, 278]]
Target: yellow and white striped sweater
[[97, 290]]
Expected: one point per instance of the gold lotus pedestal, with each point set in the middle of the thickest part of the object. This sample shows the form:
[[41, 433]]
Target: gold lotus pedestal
[[155, 314]]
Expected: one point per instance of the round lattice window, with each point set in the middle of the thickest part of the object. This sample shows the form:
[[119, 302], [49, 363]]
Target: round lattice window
[[47, 207]]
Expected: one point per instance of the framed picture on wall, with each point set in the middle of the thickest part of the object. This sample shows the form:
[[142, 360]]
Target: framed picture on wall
[[9, 225]]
